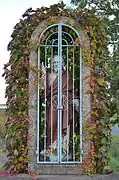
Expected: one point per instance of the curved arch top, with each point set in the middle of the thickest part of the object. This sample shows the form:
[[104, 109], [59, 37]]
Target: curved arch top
[[62, 25]]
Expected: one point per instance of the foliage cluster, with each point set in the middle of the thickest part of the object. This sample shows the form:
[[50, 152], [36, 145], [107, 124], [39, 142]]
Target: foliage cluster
[[98, 123], [109, 11], [16, 75]]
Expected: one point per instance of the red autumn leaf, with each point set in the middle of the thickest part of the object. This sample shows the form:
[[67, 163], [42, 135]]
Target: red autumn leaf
[[92, 81], [89, 117], [82, 43]]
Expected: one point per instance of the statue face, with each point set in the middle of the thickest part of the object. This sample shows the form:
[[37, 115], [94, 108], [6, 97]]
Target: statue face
[[55, 64]]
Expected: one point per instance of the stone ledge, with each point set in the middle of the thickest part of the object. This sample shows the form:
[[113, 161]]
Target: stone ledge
[[113, 176], [56, 169]]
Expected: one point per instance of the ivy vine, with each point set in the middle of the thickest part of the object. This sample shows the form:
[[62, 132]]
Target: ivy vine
[[16, 74]]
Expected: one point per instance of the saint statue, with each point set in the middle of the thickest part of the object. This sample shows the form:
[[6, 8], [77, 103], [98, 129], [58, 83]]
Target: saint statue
[[69, 99]]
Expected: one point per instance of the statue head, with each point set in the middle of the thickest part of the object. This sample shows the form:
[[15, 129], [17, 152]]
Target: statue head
[[54, 63]]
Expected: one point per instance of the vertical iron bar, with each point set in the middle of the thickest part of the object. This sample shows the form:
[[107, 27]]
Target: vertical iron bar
[[60, 92], [45, 108], [51, 96], [73, 110], [81, 95], [61, 106], [58, 97], [38, 109], [67, 108]]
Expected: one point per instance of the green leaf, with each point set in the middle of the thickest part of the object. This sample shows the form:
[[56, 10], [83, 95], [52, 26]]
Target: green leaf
[[83, 3], [21, 158], [19, 94], [101, 81]]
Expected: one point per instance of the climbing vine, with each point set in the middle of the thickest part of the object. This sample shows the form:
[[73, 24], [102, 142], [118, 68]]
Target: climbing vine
[[16, 73], [98, 123]]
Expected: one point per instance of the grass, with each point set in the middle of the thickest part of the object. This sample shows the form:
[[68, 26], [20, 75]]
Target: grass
[[2, 122], [2, 133], [114, 153]]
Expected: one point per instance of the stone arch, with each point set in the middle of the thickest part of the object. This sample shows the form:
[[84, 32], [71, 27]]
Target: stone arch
[[53, 169]]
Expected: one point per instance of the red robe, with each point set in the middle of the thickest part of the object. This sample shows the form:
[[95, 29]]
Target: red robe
[[53, 107]]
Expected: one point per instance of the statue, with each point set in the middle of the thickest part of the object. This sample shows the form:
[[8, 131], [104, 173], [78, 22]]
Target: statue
[[51, 95]]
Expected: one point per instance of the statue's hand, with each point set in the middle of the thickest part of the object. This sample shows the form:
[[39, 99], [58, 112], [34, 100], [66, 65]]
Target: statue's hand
[[76, 104], [43, 76], [43, 68]]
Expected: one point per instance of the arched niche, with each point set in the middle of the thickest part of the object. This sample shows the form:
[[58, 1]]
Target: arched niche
[[86, 107]]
